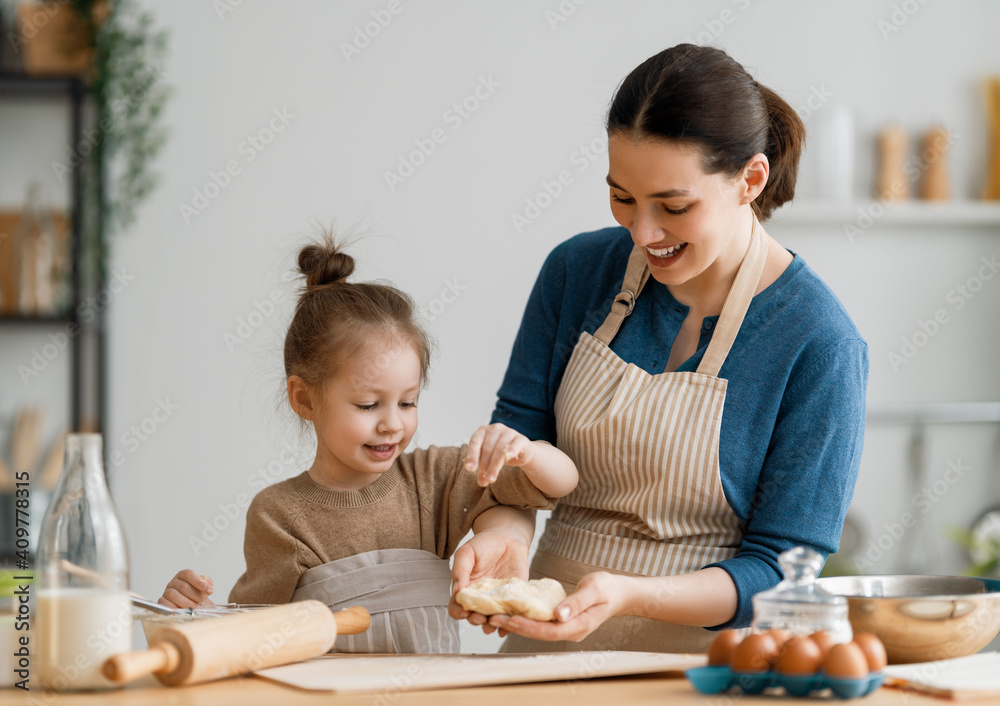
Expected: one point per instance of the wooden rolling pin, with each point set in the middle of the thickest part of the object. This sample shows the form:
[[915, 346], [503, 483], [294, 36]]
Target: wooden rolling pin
[[216, 648]]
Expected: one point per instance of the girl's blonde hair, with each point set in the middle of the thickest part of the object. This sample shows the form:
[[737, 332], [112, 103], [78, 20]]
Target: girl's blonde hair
[[334, 318]]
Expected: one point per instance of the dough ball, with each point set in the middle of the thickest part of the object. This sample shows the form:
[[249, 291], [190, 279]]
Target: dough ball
[[535, 599]]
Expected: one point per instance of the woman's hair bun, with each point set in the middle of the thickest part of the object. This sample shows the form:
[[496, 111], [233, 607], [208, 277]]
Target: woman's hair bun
[[323, 263]]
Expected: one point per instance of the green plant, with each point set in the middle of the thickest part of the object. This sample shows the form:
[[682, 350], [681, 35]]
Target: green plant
[[984, 550], [128, 92]]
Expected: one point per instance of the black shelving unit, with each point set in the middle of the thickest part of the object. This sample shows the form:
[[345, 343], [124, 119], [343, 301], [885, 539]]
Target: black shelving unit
[[90, 366]]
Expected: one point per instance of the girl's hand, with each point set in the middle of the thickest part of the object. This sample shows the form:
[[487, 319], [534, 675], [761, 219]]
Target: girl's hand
[[493, 446], [188, 589], [598, 597], [491, 553]]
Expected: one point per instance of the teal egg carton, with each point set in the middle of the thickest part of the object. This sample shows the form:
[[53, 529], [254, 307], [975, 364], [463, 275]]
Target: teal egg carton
[[718, 679]]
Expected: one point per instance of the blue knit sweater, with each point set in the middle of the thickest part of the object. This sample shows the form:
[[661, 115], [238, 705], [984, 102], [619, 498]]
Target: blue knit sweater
[[793, 425]]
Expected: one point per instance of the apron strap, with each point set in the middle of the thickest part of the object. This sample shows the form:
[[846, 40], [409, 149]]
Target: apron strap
[[733, 309], [737, 302], [636, 275]]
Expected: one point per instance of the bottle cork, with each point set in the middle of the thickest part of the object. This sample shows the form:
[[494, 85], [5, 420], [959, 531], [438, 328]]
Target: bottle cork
[[891, 183], [935, 184]]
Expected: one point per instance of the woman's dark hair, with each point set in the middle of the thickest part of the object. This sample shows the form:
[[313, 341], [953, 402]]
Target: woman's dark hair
[[336, 318], [700, 95]]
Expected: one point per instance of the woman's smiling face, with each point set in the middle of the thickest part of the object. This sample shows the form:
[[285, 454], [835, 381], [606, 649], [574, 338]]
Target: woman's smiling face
[[688, 222]]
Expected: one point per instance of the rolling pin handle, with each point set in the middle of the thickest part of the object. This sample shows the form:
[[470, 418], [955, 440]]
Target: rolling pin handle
[[352, 621], [129, 666]]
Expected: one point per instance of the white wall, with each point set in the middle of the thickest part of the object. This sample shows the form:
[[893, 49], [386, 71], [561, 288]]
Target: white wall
[[448, 228]]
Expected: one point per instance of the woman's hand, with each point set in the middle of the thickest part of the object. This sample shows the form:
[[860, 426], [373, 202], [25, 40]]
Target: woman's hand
[[188, 589], [491, 553], [492, 447], [598, 597]]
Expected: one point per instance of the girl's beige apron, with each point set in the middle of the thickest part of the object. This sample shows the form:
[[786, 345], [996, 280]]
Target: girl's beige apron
[[650, 500], [405, 590]]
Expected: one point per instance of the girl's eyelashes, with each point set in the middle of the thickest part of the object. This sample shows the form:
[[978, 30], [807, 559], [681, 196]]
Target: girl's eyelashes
[[373, 405], [675, 212], [617, 199]]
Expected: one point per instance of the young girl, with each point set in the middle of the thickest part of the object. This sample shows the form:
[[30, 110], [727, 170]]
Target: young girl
[[368, 524]]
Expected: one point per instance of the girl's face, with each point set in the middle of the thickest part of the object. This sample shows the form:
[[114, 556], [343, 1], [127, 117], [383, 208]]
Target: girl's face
[[686, 220], [366, 415]]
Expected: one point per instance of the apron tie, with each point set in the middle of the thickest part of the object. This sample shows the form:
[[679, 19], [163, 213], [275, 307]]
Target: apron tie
[[405, 590]]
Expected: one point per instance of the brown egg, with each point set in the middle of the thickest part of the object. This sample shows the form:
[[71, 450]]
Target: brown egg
[[845, 660], [874, 651], [823, 639], [720, 652], [756, 653], [781, 636], [800, 656]]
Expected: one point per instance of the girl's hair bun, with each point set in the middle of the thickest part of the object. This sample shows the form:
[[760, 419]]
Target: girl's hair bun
[[323, 263], [334, 319]]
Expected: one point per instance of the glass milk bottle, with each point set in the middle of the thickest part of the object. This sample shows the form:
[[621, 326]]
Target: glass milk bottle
[[82, 609]]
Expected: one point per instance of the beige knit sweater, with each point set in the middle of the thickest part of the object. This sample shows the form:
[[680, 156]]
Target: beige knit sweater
[[427, 500]]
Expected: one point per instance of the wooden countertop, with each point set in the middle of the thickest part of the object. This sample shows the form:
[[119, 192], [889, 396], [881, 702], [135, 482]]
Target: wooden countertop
[[257, 691]]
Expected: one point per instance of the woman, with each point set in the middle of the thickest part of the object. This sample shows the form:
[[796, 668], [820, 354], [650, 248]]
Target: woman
[[708, 384]]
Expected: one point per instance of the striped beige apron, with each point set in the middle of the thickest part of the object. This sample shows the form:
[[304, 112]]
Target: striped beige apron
[[405, 590], [650, 500]]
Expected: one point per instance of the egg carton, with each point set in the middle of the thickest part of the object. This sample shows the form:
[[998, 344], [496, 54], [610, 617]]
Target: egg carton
[[717, 679]]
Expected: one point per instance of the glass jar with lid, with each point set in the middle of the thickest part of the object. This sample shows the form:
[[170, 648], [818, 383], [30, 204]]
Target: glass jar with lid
[[797, 604]]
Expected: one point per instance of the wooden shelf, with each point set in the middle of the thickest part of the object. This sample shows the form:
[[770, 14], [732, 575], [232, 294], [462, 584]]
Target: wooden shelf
[[45, 319], [24, 85], [935, 413], [969, 214], [86, 345]]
